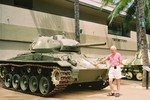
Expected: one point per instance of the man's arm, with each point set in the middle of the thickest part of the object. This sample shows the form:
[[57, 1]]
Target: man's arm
[[103, 60], [120, 60]]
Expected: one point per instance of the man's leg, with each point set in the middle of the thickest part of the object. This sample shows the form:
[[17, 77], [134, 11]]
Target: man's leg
[[117, 94], [111, 85], [118, 77], [118, 85], [111, 77]]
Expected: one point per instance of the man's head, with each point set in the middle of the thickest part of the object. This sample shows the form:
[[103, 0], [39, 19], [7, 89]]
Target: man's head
[[113, 49]]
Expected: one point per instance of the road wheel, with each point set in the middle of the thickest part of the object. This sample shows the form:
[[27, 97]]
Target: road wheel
[[129, 75], [45, 85], [24, 82], [16, 81], [8, 80], [3, 71], [33, 84], [139, 76]]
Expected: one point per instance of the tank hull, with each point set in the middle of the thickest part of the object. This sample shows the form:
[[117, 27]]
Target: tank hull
[[46, 74]]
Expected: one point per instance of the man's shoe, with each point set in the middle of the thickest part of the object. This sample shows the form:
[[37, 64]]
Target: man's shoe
[[110, 94], [117, 94]]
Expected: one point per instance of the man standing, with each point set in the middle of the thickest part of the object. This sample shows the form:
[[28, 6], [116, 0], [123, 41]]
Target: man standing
[[115, 60]]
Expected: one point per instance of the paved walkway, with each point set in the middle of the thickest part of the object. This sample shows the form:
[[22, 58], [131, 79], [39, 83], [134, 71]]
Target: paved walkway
[[130, 90]]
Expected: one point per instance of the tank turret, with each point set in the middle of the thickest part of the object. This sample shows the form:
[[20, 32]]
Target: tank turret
[[59, 43]]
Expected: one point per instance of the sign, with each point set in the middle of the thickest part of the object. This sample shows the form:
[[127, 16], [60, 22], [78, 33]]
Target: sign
[[146, 68]]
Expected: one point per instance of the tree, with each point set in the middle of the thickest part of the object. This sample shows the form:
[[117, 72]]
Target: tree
[[76, 16], [140, 10], [142, 34]]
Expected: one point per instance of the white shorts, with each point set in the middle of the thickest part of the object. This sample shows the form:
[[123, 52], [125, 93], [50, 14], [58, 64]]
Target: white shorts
[[115, 73]]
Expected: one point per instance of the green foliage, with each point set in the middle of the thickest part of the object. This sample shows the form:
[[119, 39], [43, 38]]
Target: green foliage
[[130, 5], [120, 6], [106, 2], [130, 14], [147, 13]]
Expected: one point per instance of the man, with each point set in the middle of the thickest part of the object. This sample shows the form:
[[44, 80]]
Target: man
[[115, 60]]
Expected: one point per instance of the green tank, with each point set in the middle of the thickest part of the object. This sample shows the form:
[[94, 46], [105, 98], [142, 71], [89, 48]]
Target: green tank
[[133, 67], [53, 64]]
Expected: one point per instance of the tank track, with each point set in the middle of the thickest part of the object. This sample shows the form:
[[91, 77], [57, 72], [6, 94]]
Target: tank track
[[65, 78]]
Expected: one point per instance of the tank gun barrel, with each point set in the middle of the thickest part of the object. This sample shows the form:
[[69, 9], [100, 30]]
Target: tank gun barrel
[[90, 44]]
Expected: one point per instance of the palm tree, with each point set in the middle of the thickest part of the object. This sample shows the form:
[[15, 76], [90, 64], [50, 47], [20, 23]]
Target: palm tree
[[140, 10], [76, 15]]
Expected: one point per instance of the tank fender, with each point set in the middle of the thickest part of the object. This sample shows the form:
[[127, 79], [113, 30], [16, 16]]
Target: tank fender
[[64, 64]]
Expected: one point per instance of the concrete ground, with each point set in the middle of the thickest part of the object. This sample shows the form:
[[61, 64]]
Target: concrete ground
[[130, 90]]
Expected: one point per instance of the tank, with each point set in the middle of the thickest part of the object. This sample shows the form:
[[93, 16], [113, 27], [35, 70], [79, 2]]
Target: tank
[[53, 64], [133, 67]]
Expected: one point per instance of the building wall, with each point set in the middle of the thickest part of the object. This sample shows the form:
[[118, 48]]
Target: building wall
[[19, 27]]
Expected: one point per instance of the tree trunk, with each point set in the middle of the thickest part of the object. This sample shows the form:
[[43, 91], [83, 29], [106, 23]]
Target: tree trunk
[[142, 33], [76, 15], [137, 29]]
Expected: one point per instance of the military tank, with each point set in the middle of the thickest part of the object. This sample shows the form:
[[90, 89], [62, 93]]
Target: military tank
[[53, 64], [133, 67]]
